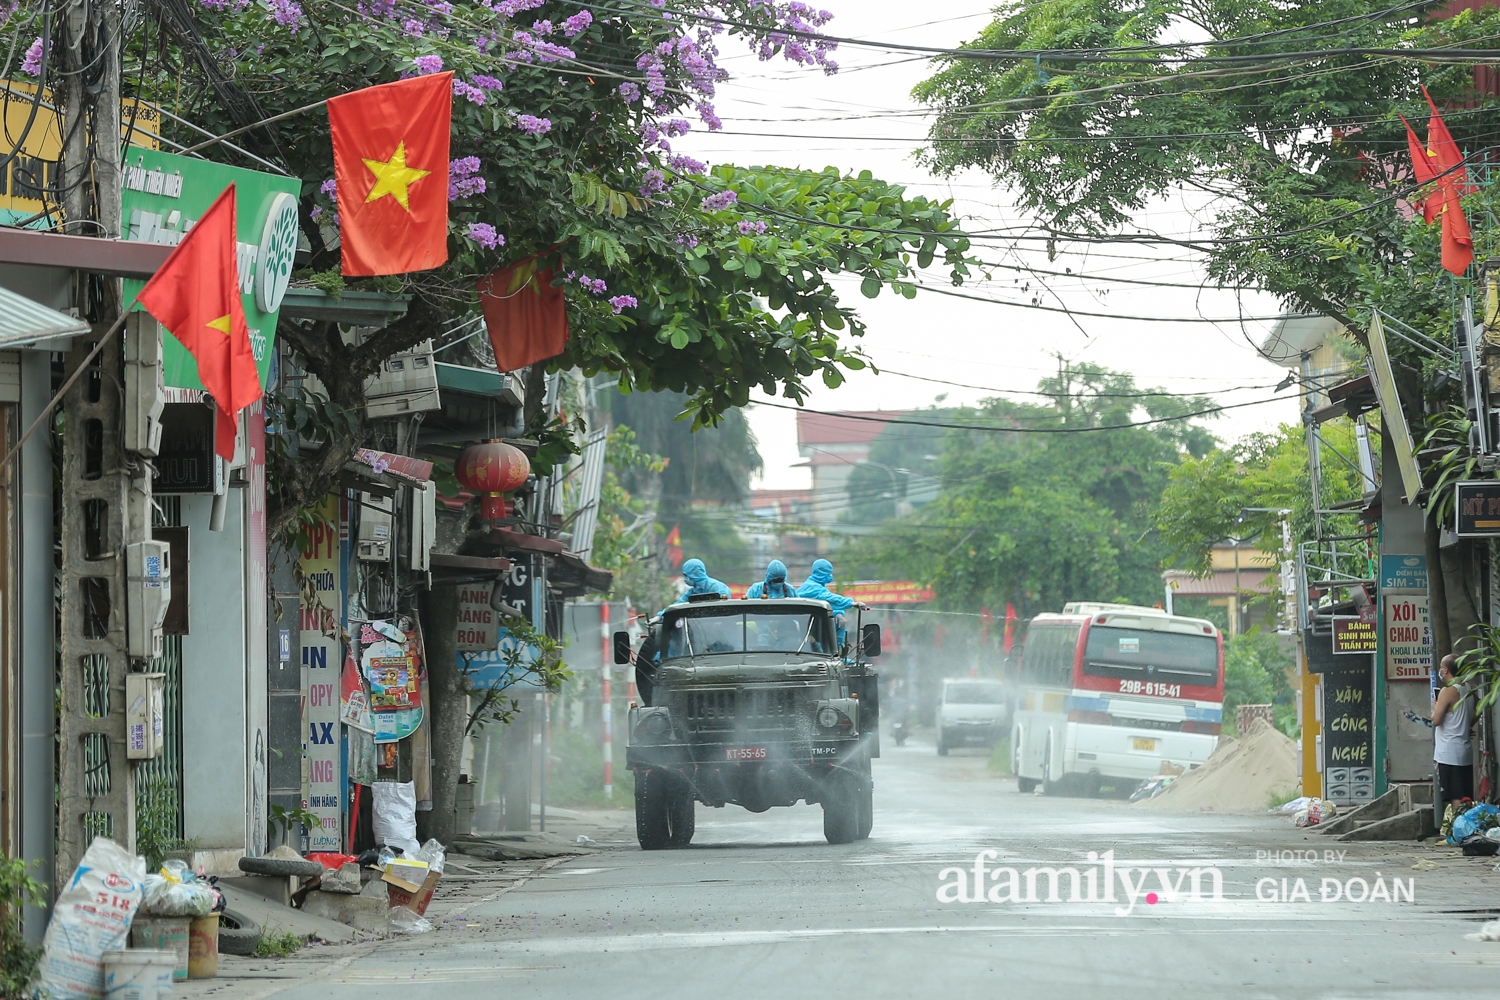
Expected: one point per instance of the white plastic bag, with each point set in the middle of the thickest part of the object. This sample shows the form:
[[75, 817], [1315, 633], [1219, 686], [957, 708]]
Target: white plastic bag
[[92, 916], [433, 853], [174, 892], [407, 921], [394, 809]]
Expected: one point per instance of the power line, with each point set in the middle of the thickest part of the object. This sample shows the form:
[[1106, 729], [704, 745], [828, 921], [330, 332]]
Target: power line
[[1143, 394], [1016, 430], [1098, 315]]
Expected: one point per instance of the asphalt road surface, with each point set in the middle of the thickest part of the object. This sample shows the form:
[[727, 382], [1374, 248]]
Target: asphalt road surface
[[760, 906]]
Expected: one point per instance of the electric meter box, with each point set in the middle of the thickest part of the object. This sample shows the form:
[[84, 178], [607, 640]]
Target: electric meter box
[[148, 582], [145, 386], [144, 703], [375, 516]]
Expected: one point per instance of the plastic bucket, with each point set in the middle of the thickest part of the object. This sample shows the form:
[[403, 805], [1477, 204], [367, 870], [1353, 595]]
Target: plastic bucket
[[165, 933], [138, 974], [203, 947]]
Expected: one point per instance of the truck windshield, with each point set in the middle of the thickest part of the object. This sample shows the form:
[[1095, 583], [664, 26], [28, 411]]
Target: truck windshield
[[741, 632]]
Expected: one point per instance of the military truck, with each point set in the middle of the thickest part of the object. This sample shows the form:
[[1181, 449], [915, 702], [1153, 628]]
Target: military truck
[[759, 703]]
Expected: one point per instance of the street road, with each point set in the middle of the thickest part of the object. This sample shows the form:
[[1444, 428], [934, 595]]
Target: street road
[[761, 906]]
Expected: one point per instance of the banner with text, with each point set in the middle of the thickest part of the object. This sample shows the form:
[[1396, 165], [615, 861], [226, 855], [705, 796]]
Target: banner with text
[[321, 661]]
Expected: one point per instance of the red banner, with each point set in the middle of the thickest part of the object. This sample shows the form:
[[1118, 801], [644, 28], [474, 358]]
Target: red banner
[[887, 592]]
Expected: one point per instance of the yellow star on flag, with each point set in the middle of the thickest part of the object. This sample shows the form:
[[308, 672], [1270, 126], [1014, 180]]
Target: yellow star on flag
[[221, 324], [393, 177]]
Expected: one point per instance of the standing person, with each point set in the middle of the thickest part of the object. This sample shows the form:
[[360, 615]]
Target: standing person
[[774, 585], [1452, 750], [816, 587]]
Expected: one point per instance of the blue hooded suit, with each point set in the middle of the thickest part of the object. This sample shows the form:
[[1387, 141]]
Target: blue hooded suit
[[816, 588], [695, 574], [775, 584]]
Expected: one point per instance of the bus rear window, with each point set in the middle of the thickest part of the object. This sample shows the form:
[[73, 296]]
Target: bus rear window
[[1172, 657]]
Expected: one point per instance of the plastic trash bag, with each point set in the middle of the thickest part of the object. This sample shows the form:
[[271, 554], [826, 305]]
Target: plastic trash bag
[[175, 892], [1476, 820], [1311, 815], [92, 916], [405, 921], [433, 853], [394, 814]]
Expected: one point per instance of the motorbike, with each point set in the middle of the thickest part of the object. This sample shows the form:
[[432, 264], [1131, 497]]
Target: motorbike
[[899, 732]]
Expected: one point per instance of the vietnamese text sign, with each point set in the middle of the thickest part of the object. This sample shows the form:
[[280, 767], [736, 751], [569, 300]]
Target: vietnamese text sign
[[1352, 635], [888, 592], [1398, 572], [1408, 637], [321, 660], [1476, 509], [476, 620], [163, 195]]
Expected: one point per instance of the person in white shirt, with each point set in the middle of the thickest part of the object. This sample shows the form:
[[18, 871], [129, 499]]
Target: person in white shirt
[[1452, 748]]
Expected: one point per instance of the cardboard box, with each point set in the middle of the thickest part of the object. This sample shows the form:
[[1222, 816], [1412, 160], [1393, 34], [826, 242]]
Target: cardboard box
[[415, 898], [405, 875]]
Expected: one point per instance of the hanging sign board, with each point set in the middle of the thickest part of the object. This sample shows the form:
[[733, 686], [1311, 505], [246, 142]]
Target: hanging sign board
[[476, 620], [1476, 509], [1354, 635], [1408, 637], [321, 656], [1403, 572]]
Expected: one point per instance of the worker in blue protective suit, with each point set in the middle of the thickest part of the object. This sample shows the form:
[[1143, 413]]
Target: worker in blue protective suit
[[695, 575], [816, 587], [774, 585]]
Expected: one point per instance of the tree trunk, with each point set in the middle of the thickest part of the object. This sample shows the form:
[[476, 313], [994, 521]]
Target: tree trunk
[[448, 715]]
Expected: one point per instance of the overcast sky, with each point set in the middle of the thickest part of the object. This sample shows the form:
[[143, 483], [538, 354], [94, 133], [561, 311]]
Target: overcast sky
[[854, 120]]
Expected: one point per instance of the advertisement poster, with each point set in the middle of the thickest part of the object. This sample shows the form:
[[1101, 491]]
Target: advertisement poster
[[392, 662], [1408, 637], [321, 661]]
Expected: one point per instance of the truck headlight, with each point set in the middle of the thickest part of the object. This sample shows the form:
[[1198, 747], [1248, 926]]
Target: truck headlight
[[655, 724], [828, 718]]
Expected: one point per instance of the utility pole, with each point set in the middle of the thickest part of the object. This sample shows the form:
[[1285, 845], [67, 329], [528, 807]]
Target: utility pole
[[110, 428]]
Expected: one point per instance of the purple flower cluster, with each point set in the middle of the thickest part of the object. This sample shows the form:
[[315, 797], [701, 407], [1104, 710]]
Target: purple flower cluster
[[620, 302], [654, 181], [215, 5], [797, 17], [288, 14], [687, 165], [687, 240], [630, 92], [535, 43], [746, 227], [468, 90], [510, 8], [487, 82], [485, 235], [427, 65], [596, 285], [722, 200], [463, 178], [330, 188], [31, 65], [576, 24], [413, 28], [532, 125]]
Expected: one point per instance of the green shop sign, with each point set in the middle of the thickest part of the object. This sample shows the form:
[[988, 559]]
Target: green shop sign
[[163, 195]]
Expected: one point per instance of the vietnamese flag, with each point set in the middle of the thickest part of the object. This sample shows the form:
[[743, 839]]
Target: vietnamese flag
[[196, 296], [390, 159], [1010, 626], [1441, 162], [1422, 167]]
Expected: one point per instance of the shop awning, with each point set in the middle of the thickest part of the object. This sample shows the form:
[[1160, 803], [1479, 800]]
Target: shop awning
[[23, 321]]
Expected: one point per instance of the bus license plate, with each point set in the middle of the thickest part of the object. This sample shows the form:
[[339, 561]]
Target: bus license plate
[[1142, 743], [744, 753]]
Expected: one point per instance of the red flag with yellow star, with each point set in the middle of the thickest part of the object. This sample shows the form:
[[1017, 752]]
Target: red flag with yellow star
[[390, 158], [196, 296]]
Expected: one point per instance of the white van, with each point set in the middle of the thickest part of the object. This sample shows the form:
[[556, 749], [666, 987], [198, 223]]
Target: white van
[[973, 712]]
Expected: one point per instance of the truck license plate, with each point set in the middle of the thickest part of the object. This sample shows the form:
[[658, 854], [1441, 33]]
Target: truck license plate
[[744, 753], [1142, 743]]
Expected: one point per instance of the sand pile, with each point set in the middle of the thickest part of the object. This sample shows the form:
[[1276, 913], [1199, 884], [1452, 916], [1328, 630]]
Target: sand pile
[[1241, 776]]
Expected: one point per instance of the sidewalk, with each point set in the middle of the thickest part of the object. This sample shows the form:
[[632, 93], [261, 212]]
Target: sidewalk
[[468, 882]]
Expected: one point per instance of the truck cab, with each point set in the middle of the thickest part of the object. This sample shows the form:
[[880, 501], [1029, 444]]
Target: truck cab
[[752, 703]]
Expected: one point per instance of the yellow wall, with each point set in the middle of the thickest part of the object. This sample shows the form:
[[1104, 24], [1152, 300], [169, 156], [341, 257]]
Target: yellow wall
[[1312, 781]]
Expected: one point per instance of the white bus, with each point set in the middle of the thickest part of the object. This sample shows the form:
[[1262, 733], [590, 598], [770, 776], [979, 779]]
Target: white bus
[[1111, 692]]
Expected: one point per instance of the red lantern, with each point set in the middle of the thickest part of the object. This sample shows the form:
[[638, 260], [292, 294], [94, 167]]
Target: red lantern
[[491, 470]]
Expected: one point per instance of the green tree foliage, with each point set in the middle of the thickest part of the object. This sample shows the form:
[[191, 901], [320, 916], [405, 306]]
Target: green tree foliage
[[19, 960], [1255, 673], [1213, 498], [706, 476], [702, 282], [1293, 145], [1039, 519]]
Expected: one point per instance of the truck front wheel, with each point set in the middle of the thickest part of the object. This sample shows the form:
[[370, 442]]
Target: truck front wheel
[[841, 808], [681, 815], [652, 801], [866, 808]]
